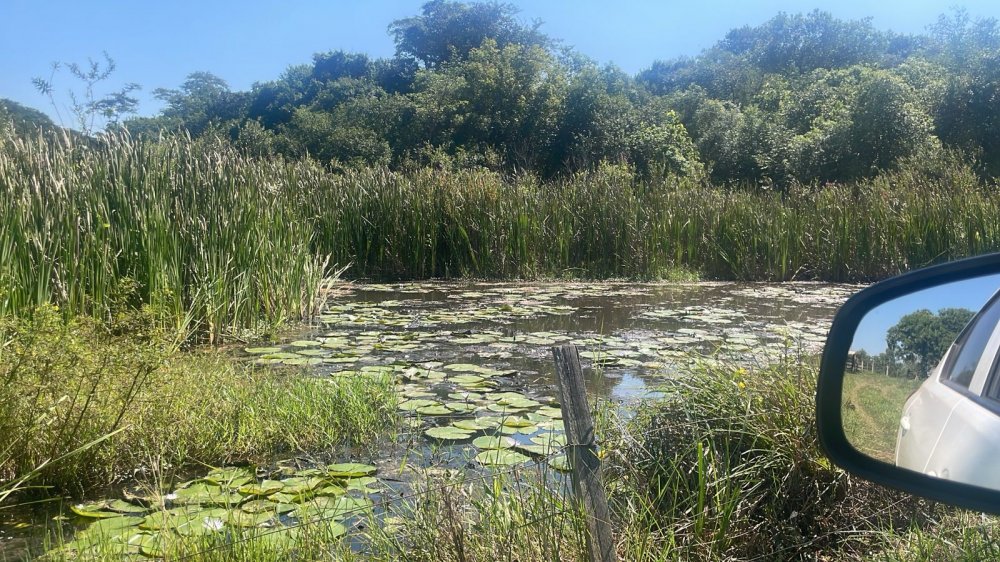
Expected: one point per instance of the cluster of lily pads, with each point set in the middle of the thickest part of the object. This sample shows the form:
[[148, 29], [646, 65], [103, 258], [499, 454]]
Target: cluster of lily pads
[[409, 314], [662, 327], [467, 405], [227, 504]]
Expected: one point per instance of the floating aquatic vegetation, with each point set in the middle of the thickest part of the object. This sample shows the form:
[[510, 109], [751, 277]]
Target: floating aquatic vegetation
[[227, 498], [448, 433], [501, 457], [473, 374]]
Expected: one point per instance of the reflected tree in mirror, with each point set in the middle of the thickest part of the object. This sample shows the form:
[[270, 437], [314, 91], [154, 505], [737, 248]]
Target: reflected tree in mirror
[[919, 340]]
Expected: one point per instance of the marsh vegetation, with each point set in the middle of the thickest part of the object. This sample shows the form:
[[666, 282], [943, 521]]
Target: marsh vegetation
[[313, 320]]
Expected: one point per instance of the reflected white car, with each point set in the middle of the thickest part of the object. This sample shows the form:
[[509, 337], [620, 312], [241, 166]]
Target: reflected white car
[[950, 427]]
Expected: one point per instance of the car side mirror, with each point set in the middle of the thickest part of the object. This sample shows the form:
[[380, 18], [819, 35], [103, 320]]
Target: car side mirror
[[909, 384]]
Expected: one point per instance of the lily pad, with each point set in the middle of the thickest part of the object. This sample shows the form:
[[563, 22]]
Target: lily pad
[[265, 488], [493, 442], [500, 457], [207, 493], [416, 404], [304, 343], [448, 433], [151, 544], [477, 424], [262, 350], [460, 407], [123, 506], [516, 422], [238, 518], [549, 411], [435, 410], [297, 485], [111, 526], [364, 484], [350, 470], [230, 477], [331, 490], [96, 510]]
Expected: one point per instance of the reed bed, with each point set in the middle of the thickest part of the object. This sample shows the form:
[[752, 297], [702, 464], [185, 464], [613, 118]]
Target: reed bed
[[226, 243], [207, 235], [474, 223]]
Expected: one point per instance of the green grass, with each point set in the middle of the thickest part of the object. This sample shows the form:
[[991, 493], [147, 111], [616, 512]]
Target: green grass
[[210, 238], [67, 384], [225, 244], [443, 224], [873, 404], [523, 514]]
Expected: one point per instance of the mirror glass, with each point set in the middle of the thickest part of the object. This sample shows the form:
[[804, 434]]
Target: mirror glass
[[922, 387]]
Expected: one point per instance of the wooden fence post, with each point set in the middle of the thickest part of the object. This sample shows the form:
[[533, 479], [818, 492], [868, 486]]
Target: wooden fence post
[[584, 464]]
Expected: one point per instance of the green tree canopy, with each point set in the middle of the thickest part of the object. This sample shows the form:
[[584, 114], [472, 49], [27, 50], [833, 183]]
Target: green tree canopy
[[445, 30], [922, 337]]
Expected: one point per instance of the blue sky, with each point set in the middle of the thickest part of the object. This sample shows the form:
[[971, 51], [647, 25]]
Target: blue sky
[[969, 293], [156, 44]]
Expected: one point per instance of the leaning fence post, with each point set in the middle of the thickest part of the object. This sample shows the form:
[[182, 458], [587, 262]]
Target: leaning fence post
[[584, 464]]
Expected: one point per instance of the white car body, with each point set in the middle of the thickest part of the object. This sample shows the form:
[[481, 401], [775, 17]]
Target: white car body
[[951, 431]]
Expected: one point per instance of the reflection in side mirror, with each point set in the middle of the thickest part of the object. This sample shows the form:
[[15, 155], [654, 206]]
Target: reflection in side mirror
[[922, 387]]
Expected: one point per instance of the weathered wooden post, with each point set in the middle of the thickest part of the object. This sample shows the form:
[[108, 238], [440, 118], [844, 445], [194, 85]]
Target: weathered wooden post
[[584, 464]]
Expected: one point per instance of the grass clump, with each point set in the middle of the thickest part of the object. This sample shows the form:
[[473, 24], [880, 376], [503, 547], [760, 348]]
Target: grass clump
[[519, 515], [728, 466], [68, 383]]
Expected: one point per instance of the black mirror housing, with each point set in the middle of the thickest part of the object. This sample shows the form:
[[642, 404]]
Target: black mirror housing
[[830, 389]]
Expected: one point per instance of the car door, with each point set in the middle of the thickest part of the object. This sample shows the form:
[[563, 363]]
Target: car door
[[970, 433]]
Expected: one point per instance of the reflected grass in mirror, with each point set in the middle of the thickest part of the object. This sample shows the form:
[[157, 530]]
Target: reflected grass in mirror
[[872, 405]]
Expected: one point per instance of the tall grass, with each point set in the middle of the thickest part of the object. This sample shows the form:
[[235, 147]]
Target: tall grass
[[442, 224], [727, 466], [210, 236], [69, 384], [230, 243]]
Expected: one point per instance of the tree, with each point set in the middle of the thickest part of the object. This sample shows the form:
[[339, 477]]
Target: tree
[[447, 30], [507, 99], [203, 98], [90, 108], [922, 337], [802, 43], [24, 120]]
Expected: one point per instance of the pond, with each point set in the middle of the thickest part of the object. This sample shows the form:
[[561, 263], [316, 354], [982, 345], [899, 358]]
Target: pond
[[631, 336], [475, 376]]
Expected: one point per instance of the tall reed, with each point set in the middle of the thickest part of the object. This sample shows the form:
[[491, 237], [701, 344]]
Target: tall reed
[[231, 243], [210, 237], [442, 224]]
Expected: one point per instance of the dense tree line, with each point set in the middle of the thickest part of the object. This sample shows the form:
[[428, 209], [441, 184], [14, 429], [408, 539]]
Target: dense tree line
[[800, 98]]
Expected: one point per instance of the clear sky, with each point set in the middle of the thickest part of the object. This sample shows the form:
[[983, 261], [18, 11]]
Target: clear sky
[[969, 293], [157, 43]]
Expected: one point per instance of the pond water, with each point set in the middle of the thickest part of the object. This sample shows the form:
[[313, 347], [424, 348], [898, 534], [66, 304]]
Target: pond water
[[475, 376], [631, 336]]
